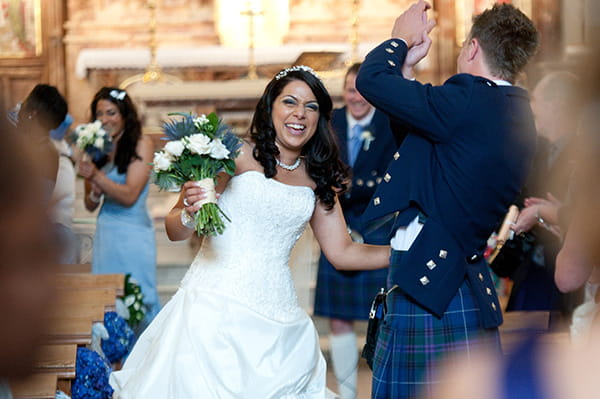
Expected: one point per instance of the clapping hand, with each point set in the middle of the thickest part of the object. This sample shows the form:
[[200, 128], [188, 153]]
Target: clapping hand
[[411, 24], [414, 55]]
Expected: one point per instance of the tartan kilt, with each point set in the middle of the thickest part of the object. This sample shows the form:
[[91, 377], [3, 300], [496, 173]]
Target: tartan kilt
[[346, 295], [412, 343]]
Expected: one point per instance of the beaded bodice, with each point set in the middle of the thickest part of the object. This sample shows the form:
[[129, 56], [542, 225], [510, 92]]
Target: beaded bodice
[[249, 261]]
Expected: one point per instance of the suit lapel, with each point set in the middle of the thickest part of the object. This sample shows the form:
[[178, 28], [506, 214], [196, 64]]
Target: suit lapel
[[340, 126]]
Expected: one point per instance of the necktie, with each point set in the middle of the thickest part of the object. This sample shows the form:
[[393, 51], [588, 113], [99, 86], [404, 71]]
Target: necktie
[[355, 142]]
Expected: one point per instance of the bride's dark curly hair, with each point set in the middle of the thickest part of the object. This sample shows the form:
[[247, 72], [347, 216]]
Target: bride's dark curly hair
[[320, 153]]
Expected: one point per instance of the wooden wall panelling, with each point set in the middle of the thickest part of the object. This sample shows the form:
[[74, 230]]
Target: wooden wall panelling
[[19, 75]]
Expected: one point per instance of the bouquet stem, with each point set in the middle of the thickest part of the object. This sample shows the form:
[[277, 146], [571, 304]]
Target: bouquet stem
[[208, 218]]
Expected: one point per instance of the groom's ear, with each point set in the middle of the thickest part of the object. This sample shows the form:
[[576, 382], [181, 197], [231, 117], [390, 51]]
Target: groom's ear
[[473, 49]]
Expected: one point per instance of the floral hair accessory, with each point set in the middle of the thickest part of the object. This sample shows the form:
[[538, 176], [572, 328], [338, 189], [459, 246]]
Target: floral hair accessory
[[118, 94], [296, 68]]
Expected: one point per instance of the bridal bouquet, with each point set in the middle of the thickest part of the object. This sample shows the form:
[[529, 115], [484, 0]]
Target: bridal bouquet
[[92, 139], [199, 148]]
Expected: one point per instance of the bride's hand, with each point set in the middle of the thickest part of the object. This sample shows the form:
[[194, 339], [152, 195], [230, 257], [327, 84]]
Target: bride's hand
[[193, 195]]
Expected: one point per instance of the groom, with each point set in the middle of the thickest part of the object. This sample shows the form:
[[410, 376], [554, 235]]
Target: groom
[[469, 146]]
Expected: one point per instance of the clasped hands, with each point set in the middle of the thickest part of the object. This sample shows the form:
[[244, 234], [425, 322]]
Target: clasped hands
[[88, 170], [413, 26], [531, 215]]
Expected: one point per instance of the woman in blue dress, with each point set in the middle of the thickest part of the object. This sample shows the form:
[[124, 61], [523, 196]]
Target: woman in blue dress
[[124, 241]]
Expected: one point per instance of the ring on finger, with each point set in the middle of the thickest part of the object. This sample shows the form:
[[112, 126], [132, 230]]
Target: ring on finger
[[185, 202]]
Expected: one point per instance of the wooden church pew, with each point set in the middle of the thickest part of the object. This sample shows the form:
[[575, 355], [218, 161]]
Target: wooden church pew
[[75, 268], [91, 296], [59, 360], [82, 281], [82, 299], [516, 324], [36, 386], [76, 311]]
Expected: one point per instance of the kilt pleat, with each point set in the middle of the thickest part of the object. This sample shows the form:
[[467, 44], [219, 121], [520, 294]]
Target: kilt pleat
[[346, 295], [412, 343]]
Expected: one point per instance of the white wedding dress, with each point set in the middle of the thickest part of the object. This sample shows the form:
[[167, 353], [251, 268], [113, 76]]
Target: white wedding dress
[[234, 328]]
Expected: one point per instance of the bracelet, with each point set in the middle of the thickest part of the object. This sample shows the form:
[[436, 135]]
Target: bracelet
[[187, 220], [95, 198]]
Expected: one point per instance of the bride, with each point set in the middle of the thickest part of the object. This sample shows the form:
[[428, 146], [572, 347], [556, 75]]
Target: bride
[[234, 328]]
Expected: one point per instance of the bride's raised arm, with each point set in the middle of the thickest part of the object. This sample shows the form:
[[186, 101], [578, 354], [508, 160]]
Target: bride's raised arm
[[330, 230]]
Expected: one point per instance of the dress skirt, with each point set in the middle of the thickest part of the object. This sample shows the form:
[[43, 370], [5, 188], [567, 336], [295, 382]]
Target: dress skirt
[[205, 346]]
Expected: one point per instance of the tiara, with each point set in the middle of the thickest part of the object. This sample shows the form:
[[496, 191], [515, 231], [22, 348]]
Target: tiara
[[296, 68], [118, 94]]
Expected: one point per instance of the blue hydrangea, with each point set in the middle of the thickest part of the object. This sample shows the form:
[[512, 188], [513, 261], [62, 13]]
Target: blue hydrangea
[[91, 376], [121, 337]]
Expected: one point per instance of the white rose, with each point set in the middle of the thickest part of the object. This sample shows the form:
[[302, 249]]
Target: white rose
[[198, 144], [161, 162], [99, 143], [129, 300], [96, 125], [85, 132], [218, 150], [174, 148]]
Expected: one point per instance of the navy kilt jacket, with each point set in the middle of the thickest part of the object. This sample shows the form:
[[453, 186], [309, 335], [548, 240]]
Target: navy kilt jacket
[[466, 155]]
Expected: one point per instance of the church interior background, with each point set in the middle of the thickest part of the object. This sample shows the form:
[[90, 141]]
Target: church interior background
[[204, 55]]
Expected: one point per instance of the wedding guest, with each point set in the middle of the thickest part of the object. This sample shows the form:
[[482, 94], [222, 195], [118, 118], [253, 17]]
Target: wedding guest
[[44, 109], [549, 366], [469, 146], [43, 115], [28, 251], [124, 241], [235, 328], [63, 196], [577, 258], [556, 105], [366, 145]]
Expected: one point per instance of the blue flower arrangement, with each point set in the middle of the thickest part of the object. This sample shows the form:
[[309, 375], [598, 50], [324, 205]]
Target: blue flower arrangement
[[91, 376], [121, 337]]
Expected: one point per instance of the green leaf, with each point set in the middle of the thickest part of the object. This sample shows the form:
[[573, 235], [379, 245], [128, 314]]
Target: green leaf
[[213, 119], [229, 166]]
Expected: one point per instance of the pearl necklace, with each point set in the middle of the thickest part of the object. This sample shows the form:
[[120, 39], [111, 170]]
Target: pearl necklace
[[291, 167]]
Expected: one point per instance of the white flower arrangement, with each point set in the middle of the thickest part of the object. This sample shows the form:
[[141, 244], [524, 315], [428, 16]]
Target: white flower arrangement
[[93, 139], [367, 138], [199, 148]]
